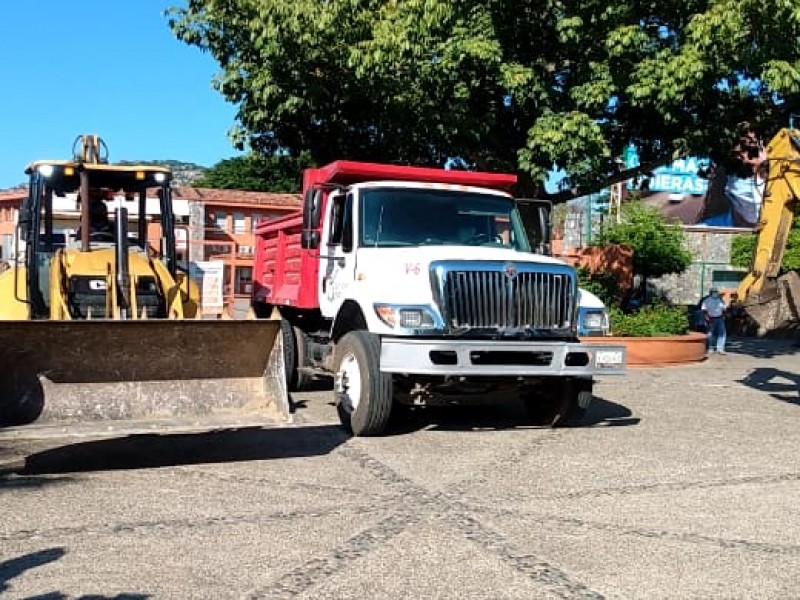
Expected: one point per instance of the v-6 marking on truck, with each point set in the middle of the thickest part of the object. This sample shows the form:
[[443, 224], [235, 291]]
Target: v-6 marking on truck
[[415, 286]]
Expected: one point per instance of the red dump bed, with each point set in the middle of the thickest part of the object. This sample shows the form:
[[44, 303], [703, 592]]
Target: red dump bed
[[284, 274]]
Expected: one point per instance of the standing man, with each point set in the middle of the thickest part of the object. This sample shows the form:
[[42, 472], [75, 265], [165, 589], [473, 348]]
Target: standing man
[[713, 308]]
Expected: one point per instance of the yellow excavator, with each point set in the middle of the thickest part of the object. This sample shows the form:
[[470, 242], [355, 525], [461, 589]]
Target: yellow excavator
[[99, 322], [772, 302]]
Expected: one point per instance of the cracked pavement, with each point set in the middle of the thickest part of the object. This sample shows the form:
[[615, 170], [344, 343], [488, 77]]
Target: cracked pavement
[[684, 483]]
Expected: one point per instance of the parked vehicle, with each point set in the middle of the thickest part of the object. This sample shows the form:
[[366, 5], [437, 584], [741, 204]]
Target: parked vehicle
[[417, 286]]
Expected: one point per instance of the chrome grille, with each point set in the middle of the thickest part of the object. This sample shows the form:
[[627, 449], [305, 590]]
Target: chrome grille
[[502, 296]]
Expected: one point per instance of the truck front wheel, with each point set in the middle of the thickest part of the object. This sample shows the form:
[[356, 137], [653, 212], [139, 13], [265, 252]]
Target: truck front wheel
[[363, 394]]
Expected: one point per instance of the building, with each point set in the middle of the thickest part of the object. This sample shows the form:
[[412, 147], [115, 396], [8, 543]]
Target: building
[[10, 201], [221, 226], [211, 224]]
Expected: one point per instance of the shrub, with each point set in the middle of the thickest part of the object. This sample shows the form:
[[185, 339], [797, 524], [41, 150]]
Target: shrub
[[602, 284], [659, 247], [651, 320]]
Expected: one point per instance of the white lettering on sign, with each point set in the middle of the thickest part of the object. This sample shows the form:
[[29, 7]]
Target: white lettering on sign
[[97, 284]]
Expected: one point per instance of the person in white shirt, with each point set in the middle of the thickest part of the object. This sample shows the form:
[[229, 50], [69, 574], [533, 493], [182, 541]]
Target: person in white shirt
[[713, 307]]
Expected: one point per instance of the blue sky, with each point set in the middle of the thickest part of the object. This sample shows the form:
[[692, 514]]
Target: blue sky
[[110, 67]]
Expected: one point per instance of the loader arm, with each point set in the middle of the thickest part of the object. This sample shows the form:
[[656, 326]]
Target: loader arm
[[777, 212]]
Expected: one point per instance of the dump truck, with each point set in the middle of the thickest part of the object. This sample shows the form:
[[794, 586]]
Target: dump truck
[[418, 286], [100, 321], [770, 300]]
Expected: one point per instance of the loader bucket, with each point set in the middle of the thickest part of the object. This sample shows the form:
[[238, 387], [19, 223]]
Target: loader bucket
[[73, 371]]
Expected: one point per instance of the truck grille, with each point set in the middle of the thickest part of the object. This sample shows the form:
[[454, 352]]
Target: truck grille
[[503, 296]]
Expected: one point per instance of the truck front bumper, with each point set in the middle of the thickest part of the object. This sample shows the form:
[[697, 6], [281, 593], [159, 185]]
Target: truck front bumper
[[512, 358]]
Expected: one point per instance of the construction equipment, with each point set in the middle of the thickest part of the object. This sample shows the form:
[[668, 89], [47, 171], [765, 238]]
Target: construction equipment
[[100, 324], [771, 302]]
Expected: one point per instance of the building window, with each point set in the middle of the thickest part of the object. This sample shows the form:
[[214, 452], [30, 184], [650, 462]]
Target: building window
[[222, 220], [254, 219], [238, 222], [6, 249], [244, 280], [726, 279]]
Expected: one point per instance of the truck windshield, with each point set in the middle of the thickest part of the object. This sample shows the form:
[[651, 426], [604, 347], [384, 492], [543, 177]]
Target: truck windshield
[[392, 217]]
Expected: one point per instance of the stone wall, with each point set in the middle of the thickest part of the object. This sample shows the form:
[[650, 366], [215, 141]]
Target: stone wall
[[711, 253]]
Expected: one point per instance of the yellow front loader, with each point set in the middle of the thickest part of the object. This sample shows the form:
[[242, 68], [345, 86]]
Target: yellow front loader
[[99, 321]]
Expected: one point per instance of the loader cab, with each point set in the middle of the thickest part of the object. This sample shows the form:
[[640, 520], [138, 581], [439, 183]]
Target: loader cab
[[66, 197]]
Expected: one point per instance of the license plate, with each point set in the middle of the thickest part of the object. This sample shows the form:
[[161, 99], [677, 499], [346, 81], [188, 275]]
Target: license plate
[[608, 358]]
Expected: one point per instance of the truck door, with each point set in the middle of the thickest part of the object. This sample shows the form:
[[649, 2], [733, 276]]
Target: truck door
[[337, 270]]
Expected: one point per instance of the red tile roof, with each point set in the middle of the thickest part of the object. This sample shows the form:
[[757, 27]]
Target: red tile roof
[[238, 197], [15, 195]]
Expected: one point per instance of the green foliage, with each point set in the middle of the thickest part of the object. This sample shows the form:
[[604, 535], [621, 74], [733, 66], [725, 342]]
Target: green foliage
[[651, 320], [603, 285], [274, 173], [658, 246], [743, 248], [504, 84]]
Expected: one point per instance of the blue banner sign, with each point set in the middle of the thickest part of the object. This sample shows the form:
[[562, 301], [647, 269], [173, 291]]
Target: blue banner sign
[[680, 177]]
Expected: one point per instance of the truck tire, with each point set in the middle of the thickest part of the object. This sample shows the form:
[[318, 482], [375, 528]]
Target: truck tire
[[295, 356], [363, 394], [560, 404]]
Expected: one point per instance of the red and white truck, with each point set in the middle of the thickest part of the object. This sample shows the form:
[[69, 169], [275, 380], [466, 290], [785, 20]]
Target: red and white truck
[[415, 286]]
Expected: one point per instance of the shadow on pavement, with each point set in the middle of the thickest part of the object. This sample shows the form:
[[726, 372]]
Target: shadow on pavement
[[318, 383], [781, 385], [762, 347], [153, 450], [498, 416], [60, 596], [13, 568], [608, 413]]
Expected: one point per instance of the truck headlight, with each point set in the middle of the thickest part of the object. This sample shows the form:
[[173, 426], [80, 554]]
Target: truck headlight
[[592, 322], [405, 317]]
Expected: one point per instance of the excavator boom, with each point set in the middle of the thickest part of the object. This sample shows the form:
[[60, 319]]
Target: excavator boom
[[771, 301]]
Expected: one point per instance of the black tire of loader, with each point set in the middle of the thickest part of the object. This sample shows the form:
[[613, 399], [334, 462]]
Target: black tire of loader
[[374, 409], [21, 398], [562, 404], [295, 356]]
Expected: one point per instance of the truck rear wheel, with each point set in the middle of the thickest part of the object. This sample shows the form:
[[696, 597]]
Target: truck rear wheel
[[562, 403], [363, 394], [295, 356]]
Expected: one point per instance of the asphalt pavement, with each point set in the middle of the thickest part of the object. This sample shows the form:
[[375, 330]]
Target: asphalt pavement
[[682, 483]]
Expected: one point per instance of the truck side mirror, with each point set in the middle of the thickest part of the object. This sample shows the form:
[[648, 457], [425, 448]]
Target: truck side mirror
[[536, 220], [312, 208]]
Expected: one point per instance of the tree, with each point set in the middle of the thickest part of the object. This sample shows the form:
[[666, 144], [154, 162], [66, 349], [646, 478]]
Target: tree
[[272, 173], [507, 85], [659, 247]]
